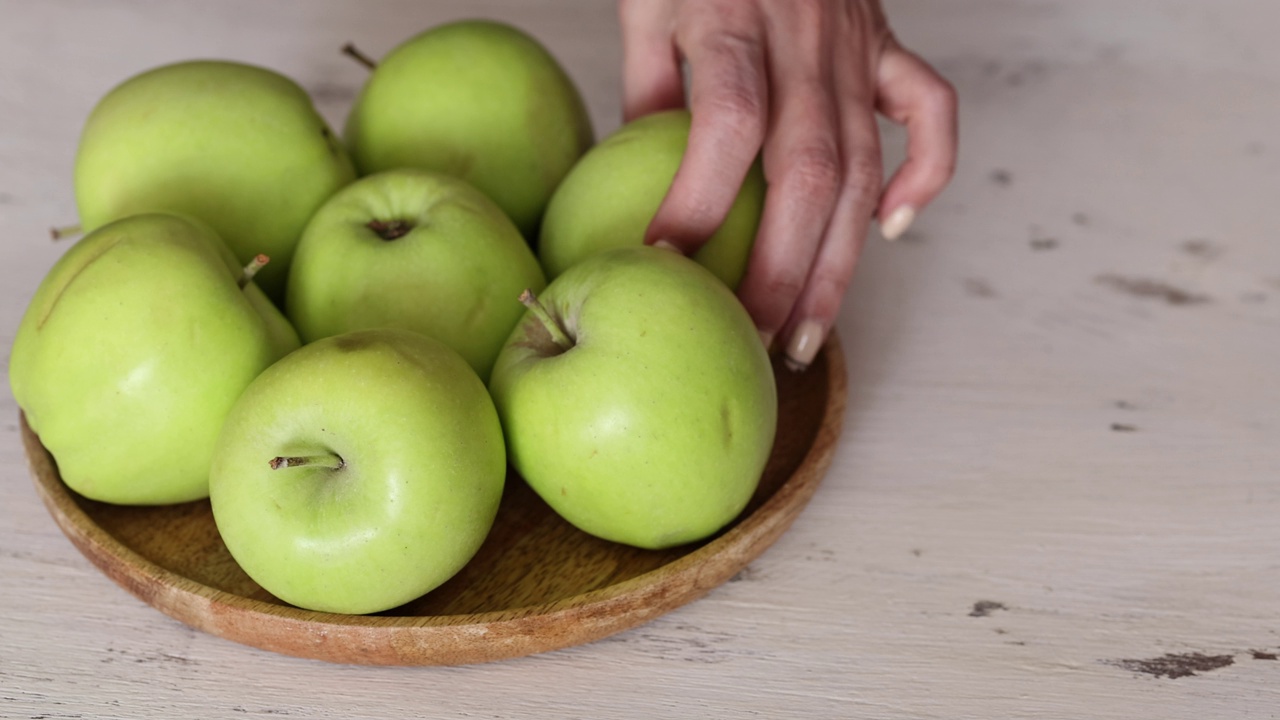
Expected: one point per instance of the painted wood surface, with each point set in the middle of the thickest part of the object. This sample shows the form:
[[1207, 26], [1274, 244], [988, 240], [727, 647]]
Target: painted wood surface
[[1057, 487]]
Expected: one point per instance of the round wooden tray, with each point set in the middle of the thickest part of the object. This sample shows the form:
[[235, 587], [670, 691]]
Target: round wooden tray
[[537, 583]]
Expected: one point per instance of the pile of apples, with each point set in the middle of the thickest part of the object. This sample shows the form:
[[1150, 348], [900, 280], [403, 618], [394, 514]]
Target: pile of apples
[[344, 342]]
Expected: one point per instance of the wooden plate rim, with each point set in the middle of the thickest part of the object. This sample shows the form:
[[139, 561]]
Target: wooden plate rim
[[451, 639]]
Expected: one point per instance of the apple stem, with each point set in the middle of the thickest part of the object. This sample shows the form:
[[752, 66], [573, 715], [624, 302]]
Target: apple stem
[[390, 229], [66, 231], [353, 52], [331, 461], [558, 334], [256, 264]]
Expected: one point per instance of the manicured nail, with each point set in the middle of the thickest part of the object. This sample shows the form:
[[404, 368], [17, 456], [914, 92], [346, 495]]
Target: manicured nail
[[897, 222], [804, 345], [667, 245], [766, 339]]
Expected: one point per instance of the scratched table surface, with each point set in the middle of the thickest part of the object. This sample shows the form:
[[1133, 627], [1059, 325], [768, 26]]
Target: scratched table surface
[[1057, 493]]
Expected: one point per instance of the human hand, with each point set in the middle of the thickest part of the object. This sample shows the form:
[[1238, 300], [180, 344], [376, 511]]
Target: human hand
[[800, 81]]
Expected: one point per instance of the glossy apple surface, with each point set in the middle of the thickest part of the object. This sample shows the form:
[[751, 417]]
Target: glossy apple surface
[[654, 426], [416, 250], [609, 197], [480, 100], [407, 486], [239, 147], [131, 353]]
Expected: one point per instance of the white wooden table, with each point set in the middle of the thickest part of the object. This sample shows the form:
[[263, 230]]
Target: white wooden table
[[1059, 481]]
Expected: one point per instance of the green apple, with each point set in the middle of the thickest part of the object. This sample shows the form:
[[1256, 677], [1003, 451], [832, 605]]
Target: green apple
[[637, 399], [416, 250], [480, 100], [359, 472], [132, 352], [609, 197], [239, 147]]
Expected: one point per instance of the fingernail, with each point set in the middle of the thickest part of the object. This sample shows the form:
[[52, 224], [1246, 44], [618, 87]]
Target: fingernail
[[766, 339], [667, 245], [804, 345], [897, 222]]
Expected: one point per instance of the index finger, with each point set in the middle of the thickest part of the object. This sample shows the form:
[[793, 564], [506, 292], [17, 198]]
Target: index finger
[[650, 66], [723, 43]]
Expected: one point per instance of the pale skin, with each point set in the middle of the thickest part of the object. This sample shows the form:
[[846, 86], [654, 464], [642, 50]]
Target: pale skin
[[800, 83]]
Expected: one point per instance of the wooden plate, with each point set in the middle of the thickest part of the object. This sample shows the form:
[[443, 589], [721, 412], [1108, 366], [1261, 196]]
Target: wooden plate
[[537, 583]]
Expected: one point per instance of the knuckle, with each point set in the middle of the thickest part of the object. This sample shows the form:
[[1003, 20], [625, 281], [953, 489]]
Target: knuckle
[[785, 285], [864, 173], [816, 170], [736, 92], [824, 302], [770, 311], [939, 173], [699, 215], [734, 42], [833, 274], [810, 13], [739, 108], [771, 289], [829, 283], [942, 96], [733, 46]]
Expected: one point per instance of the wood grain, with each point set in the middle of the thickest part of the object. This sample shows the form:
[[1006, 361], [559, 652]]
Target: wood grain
[[987, 363], [536, 584]]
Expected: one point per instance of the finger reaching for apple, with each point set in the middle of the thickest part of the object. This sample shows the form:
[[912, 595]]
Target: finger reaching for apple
[[610, 196], [799, 84]]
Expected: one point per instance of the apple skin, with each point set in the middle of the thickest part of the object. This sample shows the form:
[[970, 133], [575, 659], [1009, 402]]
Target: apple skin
[[610, 196], [423, 471], [240, 147], [131, 353], [480, 100], [653, 430], [455, 275]]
